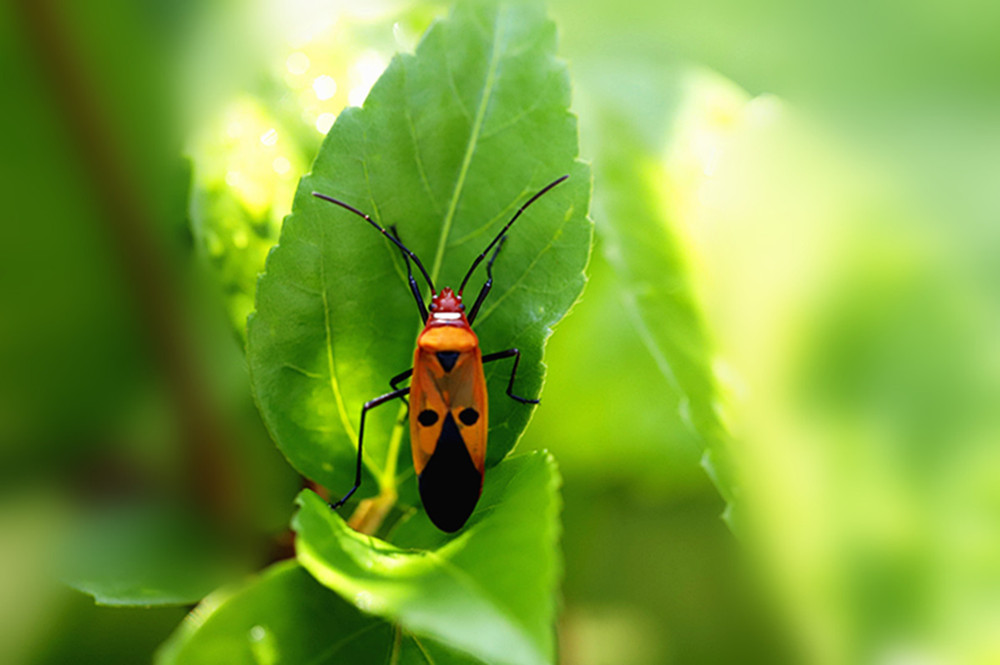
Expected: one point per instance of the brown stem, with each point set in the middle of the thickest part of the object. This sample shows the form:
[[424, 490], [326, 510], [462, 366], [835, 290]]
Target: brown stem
[[370, 513], [128, 223]]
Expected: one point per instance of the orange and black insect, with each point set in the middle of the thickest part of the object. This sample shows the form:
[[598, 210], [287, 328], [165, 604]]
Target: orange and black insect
[[448, 402]]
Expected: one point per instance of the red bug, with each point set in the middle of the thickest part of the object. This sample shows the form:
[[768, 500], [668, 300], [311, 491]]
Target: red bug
[[448, 401]]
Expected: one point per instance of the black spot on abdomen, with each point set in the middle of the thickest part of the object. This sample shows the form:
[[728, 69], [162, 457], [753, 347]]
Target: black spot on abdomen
[[450, 483], [468, 416], [427, 417]]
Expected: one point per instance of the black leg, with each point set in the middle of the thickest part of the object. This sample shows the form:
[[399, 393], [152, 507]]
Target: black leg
[[399, 378], [500, 355], [388, 397], [413, 282], [488, 284]]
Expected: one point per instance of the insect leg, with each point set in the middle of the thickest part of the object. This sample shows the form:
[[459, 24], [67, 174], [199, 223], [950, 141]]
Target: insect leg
[[488, 284], [413, 282], [399, 378], [500, 355], [371, 404]]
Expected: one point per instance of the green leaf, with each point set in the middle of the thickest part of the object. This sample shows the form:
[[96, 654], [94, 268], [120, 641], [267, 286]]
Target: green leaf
[[487, 591], [146, 556], [449, 143], [256, 140], [649, 258], [653, 453], [285, 616]]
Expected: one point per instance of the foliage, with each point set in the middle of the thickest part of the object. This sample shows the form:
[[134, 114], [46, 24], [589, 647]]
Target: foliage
[[147, 556], [446, 148], [488, 591], [650, 261], [799, 286], [286, 616]]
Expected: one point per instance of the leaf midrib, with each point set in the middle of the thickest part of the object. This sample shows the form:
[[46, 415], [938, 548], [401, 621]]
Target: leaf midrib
[[470, 147], [388, 477]]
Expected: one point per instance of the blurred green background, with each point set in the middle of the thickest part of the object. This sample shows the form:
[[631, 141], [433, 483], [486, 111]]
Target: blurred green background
[[820, 177]]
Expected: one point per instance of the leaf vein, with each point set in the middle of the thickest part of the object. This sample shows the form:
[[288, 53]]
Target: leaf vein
[[304, 289], [536, 104], [467, 581], [423, 650], [341, 643], [332, 368], [420, 162], [304, 372], [506, 292], [504, 215]]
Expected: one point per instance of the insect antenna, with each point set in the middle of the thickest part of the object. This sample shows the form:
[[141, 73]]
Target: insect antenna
[[479, 259], [402, 247]]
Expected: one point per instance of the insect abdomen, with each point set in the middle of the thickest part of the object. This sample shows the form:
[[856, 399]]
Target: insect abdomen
[[450, 483]]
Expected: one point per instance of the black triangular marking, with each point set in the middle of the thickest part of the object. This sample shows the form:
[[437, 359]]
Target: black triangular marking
[[450, 483], [447, 359], [451, 437]]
